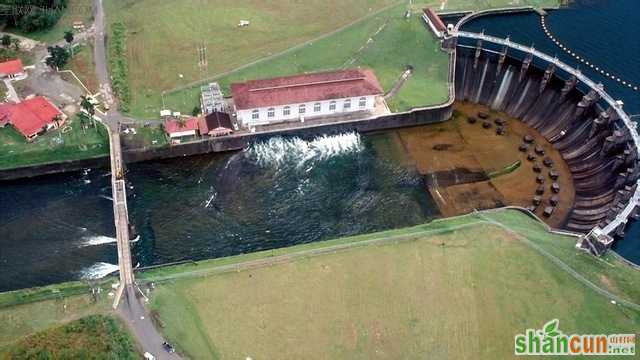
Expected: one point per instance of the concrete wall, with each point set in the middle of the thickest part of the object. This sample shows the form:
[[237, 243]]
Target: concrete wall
[[54, 168], [238, 142]]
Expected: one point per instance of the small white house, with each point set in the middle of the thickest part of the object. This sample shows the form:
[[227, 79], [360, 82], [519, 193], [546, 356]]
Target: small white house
[[11, 69], [299, 97]]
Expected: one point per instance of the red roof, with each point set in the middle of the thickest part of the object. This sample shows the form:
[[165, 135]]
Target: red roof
[[217, 121], [435, 19], [305, 88], [11, 67], [173, 126], [30, 116]]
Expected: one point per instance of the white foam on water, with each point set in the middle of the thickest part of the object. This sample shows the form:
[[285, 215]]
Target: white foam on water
[[97, 240], [279, 151], [135, 239], [98, 271]]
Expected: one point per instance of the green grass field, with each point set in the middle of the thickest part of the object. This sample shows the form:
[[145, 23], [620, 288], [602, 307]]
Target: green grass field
[[91, 337], [56, 145], [395, 43], [163, 37], [455, 288]]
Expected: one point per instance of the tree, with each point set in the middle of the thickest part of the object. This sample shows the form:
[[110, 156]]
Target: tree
[[89, 107], [68, 37], [195, 111], [58, 57], [6, 40], [16, 43]]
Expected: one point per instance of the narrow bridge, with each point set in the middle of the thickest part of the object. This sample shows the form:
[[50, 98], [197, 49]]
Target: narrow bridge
[[631, 126], [120, 212]]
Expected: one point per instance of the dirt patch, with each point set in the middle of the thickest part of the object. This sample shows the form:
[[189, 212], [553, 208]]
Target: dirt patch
[[455, 158]]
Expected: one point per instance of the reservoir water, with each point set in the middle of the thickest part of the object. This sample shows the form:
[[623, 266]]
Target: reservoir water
[[278, 193]]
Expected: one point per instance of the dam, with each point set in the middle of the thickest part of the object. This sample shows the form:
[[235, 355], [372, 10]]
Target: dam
[[595, 136]]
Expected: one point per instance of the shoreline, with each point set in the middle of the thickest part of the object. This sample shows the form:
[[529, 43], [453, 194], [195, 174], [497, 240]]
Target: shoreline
[[205, 267]]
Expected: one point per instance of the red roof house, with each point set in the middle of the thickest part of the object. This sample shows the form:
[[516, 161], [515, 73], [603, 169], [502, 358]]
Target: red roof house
[[305, 88], [215, 124], [31, 117], [176, 129], [11, 68]]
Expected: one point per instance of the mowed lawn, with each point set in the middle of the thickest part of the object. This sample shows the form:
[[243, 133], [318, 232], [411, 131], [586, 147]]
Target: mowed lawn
[[163, 36], [386, 42], [68, 143], [457, 288]]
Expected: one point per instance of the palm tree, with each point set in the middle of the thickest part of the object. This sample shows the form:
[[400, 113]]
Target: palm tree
[[68, 37], [88, 106]]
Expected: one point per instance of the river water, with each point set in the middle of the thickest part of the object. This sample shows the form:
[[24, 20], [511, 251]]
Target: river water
[[274, 194]]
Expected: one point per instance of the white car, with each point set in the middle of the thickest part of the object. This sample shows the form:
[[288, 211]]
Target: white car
[[148, 356]]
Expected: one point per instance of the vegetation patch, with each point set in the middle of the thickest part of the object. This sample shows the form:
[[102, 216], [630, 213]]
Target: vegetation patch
[[64, 16], [118, 65], [76, 139], [83, 66], [92, 337], [456, 288]]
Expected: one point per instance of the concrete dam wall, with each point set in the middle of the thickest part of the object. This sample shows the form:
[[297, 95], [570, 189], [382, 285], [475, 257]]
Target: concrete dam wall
[[597, 147]]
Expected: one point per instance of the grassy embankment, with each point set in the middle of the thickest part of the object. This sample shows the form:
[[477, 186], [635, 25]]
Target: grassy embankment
[[396, 42], [56, 145], [28, 311], [163, 37], [83, 66], [91, 337], [454, 288], [77, 10]]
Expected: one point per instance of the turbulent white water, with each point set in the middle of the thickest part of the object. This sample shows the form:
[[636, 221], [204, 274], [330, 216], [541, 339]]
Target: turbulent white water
[[98, 271], [502, 90], [278, 151], [96, 240]]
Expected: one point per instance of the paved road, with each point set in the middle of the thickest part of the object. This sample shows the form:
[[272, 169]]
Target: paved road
[[130, 307], [139, 323]]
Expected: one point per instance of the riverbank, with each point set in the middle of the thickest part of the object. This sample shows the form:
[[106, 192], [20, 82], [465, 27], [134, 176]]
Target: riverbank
[[489, 243], [241, 140]]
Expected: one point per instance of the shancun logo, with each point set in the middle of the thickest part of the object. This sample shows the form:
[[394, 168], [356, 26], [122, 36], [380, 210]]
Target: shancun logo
[[551, 341]]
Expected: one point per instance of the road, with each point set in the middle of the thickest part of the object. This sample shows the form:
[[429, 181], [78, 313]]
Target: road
[[130, 308]]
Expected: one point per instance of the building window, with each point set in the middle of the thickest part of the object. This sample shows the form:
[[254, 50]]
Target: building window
[[286, 111], [332, 105], [347, 104], [271, 112], [255, 114], [362, 102], [317, 107], [302, 109]]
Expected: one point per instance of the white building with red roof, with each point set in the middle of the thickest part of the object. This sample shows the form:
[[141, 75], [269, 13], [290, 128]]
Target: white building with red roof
[[261, 102], [31, 117], [177, 129], [11, 69]]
